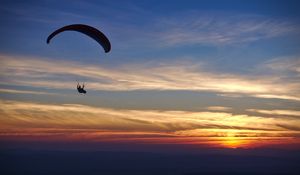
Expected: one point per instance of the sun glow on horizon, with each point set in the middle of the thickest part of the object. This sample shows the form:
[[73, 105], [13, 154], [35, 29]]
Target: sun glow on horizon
[[74, 122]]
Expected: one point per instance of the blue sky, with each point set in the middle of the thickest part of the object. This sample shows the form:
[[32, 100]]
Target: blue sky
[[231, 37], [137, 29], [240, 58]]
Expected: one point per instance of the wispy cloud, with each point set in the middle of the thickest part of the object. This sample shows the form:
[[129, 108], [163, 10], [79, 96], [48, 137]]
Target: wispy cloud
[[186, 28], [199, 28], [218, 108], [16, 114], [13, 91], [184, 76], [277, 112], [286, 66], [284, 97]]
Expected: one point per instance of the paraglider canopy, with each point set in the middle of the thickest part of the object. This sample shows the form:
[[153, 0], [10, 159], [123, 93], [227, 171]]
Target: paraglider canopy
[[85, 29]]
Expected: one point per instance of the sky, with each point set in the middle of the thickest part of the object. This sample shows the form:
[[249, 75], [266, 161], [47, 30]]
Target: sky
[[204, 74]]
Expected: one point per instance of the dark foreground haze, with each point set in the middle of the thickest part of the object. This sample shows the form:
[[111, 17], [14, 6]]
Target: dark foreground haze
[[178, 160]]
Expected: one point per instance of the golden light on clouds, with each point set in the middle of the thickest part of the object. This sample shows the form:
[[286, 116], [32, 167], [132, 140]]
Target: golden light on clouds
[[276, 112], [213, 125], [37, 72], [77, 122], [218, 108]]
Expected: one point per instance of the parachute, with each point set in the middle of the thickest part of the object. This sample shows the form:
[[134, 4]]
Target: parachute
[[85, 29]]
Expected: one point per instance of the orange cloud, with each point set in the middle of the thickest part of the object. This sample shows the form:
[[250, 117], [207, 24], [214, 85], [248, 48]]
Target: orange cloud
[[73, 121]]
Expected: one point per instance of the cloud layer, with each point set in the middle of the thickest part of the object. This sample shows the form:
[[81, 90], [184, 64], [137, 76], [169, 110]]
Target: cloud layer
[[219, 29], [45, 73], [36, 115], [74, 121]]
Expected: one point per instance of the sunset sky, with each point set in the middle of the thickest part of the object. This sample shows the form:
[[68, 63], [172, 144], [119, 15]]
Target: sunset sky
[[205, 74]]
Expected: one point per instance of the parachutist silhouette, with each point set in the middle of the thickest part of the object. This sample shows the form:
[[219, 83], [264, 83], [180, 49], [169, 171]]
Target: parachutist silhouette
[[81, 89]]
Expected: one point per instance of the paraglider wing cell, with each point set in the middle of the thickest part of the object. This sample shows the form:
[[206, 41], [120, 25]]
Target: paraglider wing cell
[[85, 29]]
